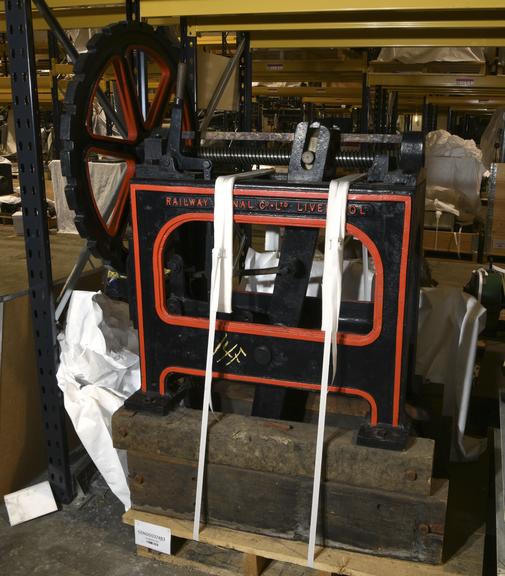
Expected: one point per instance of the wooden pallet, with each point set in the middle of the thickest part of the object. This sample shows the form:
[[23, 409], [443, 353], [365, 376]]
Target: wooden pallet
[[447, 242], [271, 556]]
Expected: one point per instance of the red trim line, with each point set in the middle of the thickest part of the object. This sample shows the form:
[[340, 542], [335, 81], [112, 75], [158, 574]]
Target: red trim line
[[401, 311], [285, 383], [263, 329], [138, 287]]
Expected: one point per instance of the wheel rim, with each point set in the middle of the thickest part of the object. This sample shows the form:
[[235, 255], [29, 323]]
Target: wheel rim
[[109, 59]]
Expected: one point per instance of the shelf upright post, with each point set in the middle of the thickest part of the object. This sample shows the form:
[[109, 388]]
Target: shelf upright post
[[132, 9], [52, 44], [189, 56], [38, 256], [245, 84]]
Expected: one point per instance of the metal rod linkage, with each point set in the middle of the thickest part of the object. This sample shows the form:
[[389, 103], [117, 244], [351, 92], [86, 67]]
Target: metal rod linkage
[[289, 137], [73, 54], [221, 85]]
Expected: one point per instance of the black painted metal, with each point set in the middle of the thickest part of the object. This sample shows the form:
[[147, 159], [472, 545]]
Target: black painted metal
[[377, 112], [365, 104], [434, 117], [189, 56], [394, 114], [382, 212], [114, 41], [53, 57], [426, 116], [245, 85], [286, 307], [31, 179], [139, 64], [450, 117]]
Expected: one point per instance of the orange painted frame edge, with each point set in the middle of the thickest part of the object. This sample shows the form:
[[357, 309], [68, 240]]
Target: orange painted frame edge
[[366, 197], [285, 383], [309, 334]]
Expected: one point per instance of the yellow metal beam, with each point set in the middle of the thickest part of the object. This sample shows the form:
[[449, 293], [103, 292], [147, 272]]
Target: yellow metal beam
[[349, 21], [78, 4], [78, 18], [151, 8], [458, 81], [377, 38]]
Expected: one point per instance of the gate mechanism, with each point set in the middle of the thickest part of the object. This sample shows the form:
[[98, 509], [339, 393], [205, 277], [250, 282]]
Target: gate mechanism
[[272, 338]]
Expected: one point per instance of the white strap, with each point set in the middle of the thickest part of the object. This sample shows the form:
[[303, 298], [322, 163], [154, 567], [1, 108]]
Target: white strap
[[498, 269], [481, 274], [332, 296], [220, 300]]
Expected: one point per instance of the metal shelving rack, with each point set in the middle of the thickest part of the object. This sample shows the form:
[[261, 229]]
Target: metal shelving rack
[[38, 252], [281, 25]]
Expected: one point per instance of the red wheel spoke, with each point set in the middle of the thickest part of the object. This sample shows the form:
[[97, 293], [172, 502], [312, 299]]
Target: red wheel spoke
[[128, 97], [112, 212]]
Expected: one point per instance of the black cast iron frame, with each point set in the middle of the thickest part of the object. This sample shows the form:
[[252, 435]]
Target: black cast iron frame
[[158, 209]]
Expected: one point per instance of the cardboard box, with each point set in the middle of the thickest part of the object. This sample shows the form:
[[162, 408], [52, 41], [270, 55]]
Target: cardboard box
[[22, 439]]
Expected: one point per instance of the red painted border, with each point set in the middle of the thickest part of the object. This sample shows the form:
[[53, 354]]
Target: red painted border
[[285, 383], [263, 329]]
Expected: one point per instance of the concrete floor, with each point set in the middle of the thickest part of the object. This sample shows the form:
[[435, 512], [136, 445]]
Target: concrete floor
[[64, 251], [89, 540]]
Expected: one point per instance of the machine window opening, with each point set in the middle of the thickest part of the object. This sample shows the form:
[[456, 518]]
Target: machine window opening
[[257, 249]]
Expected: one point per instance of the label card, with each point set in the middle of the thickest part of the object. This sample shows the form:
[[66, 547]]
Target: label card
[[153, 536], [30, 503]]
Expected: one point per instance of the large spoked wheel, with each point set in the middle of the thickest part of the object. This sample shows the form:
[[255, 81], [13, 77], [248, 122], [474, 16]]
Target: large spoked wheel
[[104, 123]]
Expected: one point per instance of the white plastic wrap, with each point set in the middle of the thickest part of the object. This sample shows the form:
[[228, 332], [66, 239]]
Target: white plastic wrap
[[454, 171], [449, 324], [99, 369], [354, 284], [81, 36], [422, 54]]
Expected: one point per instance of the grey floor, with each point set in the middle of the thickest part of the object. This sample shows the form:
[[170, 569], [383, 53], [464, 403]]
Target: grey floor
[[89, 540]]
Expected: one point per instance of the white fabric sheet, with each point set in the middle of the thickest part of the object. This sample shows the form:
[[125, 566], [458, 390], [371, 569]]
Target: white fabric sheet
[[449, 324], [105, 178], [454, 171], [492, 136], [354, 284]]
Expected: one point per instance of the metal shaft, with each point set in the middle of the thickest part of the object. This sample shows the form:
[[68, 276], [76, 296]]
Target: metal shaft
[[278, 157], [275, 157]]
